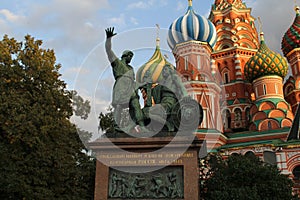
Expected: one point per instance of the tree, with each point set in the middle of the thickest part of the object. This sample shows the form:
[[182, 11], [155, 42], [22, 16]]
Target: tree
[[242, 177], [80, 106], [42, 156], [106, 121]]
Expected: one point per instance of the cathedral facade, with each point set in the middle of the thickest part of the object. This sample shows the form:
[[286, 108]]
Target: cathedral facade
[[248, 108], [229, 69]]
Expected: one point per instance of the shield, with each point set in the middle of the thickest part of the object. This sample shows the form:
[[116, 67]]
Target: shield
[[187, 114]]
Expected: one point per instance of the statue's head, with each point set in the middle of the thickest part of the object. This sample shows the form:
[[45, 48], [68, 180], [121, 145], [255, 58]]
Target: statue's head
[[127, 56]]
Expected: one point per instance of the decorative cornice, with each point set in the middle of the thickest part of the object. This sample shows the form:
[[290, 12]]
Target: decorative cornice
[[233, 51], [188, 43]]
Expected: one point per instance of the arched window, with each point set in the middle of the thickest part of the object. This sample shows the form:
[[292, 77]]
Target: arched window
[[226, 119], [226, 77], [256, 92], [237, 114], [248, 114], [204, 121], [198, 62], [249, 153], [264, 89], [296, 172], [186, 62], [185, 78]]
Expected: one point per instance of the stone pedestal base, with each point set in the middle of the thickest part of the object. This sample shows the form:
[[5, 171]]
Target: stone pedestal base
[[147, 168]]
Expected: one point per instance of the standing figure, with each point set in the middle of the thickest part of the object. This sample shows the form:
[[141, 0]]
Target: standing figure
[[124, 92], [114, 185], [173, 189]]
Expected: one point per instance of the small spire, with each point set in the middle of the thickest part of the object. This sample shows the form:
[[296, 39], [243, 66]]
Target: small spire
[[157, 35], [190, 2], [296, 7], [261, 33]]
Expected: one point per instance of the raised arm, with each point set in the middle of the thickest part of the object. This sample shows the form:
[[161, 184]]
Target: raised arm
[[109, 34]]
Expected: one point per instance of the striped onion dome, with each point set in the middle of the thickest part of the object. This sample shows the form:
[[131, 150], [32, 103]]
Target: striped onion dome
[[191, 26], [265, 62], [291, 39], [154, 66]]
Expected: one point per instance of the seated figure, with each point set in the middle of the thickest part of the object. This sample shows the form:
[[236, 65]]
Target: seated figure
[[162, 99]]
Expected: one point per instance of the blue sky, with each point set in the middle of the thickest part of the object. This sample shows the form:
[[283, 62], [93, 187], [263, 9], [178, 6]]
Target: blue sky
[[75, 30]]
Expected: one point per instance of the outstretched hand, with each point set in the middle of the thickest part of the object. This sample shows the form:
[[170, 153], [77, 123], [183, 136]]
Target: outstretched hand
[[110, 32]]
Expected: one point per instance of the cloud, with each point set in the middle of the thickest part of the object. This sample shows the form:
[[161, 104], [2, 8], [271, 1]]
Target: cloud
[[118, 21], [276, 18], [11, 17], [138, 5], [4, 27], [65, 20], [180, 6], [147, 4], [71, 27], [134, 21]]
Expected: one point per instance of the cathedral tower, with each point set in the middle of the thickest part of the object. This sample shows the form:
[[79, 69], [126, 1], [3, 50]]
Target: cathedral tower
[[290, 46], [266, 71], [191, 38], [237, 41]]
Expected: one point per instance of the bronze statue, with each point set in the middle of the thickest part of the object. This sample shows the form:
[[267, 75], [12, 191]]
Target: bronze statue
[[124, 92], [172, 105], [166, 95], [173, 82]]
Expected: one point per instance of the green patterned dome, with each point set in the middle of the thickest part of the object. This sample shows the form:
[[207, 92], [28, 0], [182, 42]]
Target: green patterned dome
[[265, 62], [154, 67]]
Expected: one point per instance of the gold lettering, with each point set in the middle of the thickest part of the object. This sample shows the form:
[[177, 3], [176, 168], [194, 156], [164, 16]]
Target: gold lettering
[[133, 156], [188, 155]]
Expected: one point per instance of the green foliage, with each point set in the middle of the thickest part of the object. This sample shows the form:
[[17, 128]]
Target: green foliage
[[81, 108], [243, 177], [42, 156], [106, 121]]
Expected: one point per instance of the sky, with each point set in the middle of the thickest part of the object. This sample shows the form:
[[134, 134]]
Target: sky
[[75, 30]]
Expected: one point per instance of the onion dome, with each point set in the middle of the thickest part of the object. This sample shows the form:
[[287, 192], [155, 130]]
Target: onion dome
[[265, 62], [191, 26], [153, 68], [291, 39]]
